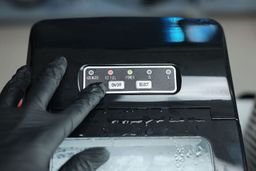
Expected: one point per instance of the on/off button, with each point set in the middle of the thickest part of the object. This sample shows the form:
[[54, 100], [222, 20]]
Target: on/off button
[[143, 84], [116, 85]]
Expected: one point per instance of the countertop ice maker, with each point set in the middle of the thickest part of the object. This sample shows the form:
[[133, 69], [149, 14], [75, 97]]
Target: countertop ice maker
[[170, 103]]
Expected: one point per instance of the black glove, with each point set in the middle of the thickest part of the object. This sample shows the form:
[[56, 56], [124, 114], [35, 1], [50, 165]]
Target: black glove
[[30, 135]]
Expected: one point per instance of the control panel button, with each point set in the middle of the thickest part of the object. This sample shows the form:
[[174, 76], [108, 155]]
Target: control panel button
[[143, 84], [116, 85]]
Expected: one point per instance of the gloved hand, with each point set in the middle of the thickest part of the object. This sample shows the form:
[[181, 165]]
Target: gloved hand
[[30, 135]]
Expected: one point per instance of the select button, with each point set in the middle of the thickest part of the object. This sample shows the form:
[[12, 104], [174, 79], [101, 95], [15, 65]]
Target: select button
[[143, 84]]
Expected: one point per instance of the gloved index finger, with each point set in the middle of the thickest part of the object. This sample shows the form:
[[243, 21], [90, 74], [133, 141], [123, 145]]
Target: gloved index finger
[[43, 89], [87, 101]]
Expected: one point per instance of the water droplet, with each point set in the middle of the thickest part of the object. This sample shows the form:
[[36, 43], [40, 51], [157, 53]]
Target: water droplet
[[148, 121], [136, 122], [125, 122], [159, 121], [115, 122], [199, 151]]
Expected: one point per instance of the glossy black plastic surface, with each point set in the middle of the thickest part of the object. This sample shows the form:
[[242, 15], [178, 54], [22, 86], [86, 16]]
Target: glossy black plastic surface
[[204, 106]]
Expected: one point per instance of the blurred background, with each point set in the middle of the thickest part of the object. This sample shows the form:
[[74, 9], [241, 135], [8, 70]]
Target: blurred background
[[238, 18]]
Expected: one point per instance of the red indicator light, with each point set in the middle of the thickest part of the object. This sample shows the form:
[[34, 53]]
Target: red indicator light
[[20, 103], [110, 72]]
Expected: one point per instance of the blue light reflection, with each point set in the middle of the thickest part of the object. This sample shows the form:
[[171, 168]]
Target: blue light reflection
[[173, 32], [201, 33]]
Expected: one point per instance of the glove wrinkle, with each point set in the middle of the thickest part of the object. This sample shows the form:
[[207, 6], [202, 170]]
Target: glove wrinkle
[[43, 89]]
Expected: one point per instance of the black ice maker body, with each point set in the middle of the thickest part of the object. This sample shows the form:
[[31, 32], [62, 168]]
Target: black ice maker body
[[166, 77]]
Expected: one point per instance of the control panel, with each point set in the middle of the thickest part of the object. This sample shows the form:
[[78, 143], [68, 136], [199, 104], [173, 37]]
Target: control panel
[[131, 79]]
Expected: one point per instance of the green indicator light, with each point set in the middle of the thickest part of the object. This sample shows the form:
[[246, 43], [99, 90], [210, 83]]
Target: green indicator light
[[129, 72]]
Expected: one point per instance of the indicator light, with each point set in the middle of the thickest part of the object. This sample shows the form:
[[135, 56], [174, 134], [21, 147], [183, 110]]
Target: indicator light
[[90, 72], [110, 72], [129, 72], [168, 71], [149, 71]]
